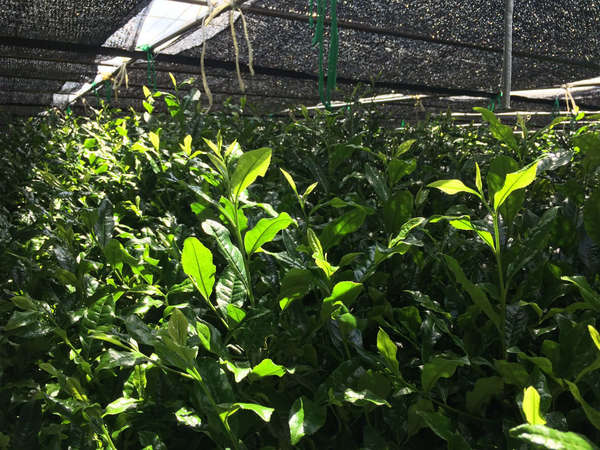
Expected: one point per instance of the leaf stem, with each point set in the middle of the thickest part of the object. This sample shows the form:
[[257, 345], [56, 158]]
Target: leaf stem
[[107, 438], [245, 258], [210, 304], [498, 254]]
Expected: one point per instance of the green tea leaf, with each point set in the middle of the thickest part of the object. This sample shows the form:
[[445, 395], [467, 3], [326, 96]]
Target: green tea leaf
[[187, 145], [346, 224], [251, 165], [531, 406], [267, 368], [103, 228], [591, 297], [214, 147], [314, 242], [120, 405], [24, 302], [398, 169], [477, 294], [464, 223], [234, 313], [500, 166], [589, 145], [189, 418], [305, 418], [230, 290], [478, 182], [154, 139], [377, 181], [512, 373], [452, 187], [264, 412], [404, 147], [591, 216], [592, 414], [197, 263], [397, 210], [549, 438], [364, 398], [439, 368], [230, 211], [290, 181], [405, 230], [240, 370], [344, 291], [594, 335], [439, 423], [231, 253], [309, 189], [113, 358], [503, 133], [514, 181], [203, 332], [116, 255], [388, 349], [264, 231], [295, 285], [178, 327], [484, 390]]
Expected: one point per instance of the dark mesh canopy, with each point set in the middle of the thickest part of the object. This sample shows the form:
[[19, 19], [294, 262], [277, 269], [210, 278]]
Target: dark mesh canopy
[[433, 54]]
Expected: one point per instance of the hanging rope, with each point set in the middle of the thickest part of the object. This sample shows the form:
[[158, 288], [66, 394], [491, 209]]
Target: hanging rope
[[569, 100], [214, 11], [236, 50], [151, 69], [248, 43], [121, 77], [325, 91], [203, 74]]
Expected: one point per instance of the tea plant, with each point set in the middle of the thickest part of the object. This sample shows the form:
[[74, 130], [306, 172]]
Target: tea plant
[[178, 280]]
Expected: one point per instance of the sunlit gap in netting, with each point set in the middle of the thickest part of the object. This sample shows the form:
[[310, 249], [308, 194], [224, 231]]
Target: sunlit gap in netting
[[152, 28], [570, 93]]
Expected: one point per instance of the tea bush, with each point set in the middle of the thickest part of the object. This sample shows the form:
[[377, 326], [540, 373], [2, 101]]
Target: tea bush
[[182, 280]]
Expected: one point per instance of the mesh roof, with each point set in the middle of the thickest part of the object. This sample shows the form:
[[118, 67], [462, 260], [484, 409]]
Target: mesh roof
[[439, 48]]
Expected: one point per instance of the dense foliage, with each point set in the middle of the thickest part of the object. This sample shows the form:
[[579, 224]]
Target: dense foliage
[[182, 280]]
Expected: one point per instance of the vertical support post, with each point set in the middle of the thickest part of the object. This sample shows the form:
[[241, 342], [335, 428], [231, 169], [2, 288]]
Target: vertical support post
[[507, 60]]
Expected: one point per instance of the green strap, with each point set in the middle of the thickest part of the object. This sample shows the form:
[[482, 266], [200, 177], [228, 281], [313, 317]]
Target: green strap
[[495, 101], [151, 69], [108, 89], [311, 11], [556, 108], [95, 89], [325, 92]]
